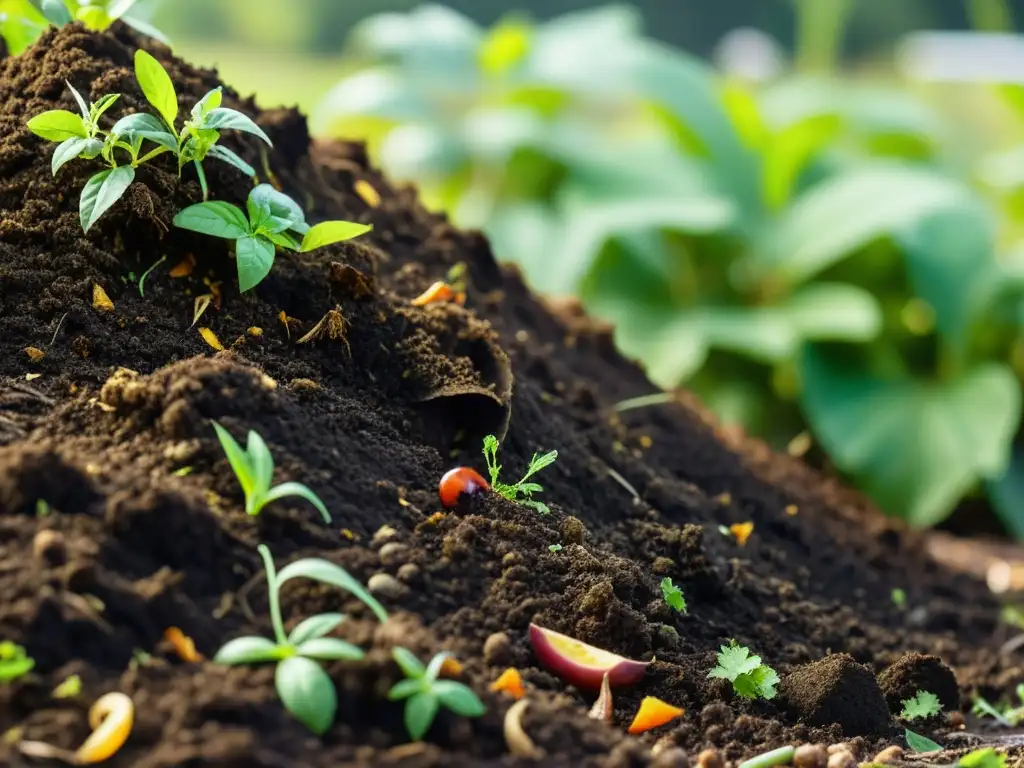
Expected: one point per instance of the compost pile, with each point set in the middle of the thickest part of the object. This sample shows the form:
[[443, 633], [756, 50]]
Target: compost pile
[[110, 428]]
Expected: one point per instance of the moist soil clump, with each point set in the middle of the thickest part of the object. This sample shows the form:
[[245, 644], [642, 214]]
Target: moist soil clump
[[120, 516], [917, 672]]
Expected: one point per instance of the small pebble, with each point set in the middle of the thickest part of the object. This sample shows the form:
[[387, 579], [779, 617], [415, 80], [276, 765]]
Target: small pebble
[[409, 573], [810, 756], [673, 757], [891, 754], [840, 747], [842, 759], [572, 531], [49, 545], [386, 585], [392, 553], [498, 650], [956, 719], [710, 758], [383, 535]]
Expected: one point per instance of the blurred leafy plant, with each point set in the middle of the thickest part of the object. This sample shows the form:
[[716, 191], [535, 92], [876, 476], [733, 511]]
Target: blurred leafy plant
[[22, 22], [801, 253]]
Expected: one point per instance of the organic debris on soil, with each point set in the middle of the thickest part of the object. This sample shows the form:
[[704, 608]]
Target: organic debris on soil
[[121, 516]]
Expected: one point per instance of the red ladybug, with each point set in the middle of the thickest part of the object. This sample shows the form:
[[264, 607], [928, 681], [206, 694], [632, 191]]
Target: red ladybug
[[459, 481]]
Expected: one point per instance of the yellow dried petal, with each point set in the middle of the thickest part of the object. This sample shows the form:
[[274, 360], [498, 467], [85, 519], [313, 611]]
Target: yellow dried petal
[[742, 532], [100, 300], [255, 331], [32, 376], [111, 719], [370, 195], [199, 306], [34, 353], [211, 338]]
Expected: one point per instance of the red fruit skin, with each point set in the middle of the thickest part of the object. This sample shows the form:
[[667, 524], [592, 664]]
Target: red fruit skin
[[626, 672], [459, 481]]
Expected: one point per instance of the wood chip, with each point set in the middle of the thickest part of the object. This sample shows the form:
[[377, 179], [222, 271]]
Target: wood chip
[[100, 300], [211, 338], [184, 267], [35, 354], [370, 195]]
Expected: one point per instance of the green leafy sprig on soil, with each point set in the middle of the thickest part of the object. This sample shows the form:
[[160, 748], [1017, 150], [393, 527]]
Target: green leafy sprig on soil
[[424, 694], [274, 220], [923, 705], [749, 677], [983, 758], [919, 743], [673, 595], [304, 687], [521, 492], [254, 468], [1005, 714], [14, 662]]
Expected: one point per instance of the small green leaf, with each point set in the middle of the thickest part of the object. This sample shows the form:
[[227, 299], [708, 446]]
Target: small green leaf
[[156, 86], [148, 127], [215, 218], [102, 191], [315, 626], [66, 151], [307, 692], [239, 460], [210, 101], [420, 711], [56, 12], [227, 156], [434, 667], [92, 148], [58, 125], [286, 212], [330, 648], [459, 698], [328, 232], [409, 664], [403, 689], [920, 743], [83, 105], [261, 461], [303, 492], [222, 117], [147, 29], [105, 102], [248, 650], [255, 257], [284, 240], [321, 570]]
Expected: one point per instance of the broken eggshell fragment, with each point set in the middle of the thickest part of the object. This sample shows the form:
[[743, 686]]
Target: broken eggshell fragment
[[580, 664]]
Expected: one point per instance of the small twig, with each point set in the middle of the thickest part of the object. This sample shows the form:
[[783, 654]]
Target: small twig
[[659, 398], [242, 596], [623, 482], [57, 329]]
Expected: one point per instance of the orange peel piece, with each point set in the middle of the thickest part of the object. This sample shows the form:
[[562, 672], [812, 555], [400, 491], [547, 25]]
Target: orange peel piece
[[100, 300], [183, 645], [742, 532], [111, 718], [450, 668], [580, 664], [510, 682], [653, 713], [439, 291]]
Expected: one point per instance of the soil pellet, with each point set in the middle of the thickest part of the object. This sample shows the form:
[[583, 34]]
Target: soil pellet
[[842, 759], [710, 758], [386, 585], [810, 756], [889, 755], [49, 545], [498, 649]]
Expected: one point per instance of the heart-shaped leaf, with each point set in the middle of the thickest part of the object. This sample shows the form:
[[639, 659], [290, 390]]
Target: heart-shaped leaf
[[255, 257]]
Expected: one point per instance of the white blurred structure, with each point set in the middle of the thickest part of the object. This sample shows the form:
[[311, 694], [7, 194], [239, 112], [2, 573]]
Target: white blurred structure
[[750, 54], [965, 57]]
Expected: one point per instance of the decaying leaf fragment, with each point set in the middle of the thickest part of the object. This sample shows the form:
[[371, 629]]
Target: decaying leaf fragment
[[333, 325], [100, 300], [370, 195], [35, 354], [199, 306], [211, 338]]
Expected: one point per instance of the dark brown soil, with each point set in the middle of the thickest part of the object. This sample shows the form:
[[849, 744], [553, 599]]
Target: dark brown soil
[[121, 400]]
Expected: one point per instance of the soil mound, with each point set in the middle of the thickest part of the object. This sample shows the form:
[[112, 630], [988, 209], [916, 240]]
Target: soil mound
[[917, 672], [120, 516], [837, 689]]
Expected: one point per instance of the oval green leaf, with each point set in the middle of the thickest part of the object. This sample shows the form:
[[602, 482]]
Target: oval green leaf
[[58, 125], [411, 666], [314, 627], [459, 698], [215, 218], [222, 117], [156, 86], [66, 151], [248, 650], [146, 126], [325, 572], [307, 692], [226, 155], [403, 689], [328, 232], [83, 106], [102, 191], [420, 711], [56, 12], [255, 257], [920, 743], [330, 648]]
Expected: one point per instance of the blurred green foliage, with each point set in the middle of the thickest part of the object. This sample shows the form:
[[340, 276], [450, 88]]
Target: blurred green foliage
[[806, 254]]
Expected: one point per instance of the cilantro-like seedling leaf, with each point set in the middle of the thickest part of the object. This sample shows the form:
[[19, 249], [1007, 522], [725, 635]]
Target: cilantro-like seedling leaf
[[673, 595], [924, 704], [424, 694], [522, 491], [920, 743], [749, 677]]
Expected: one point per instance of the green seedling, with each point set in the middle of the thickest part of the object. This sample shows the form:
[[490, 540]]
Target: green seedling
[[673, 595], [554, 547], [925, 704], [424, 694], [919, 743], [142, 280], [254, 468], [274, 219], [899, 598], [522, 492], [198, 136], [305, 688], [983, 758], [69, 688], [96, 15], [749, 677], [14, 663], [1005, 714]]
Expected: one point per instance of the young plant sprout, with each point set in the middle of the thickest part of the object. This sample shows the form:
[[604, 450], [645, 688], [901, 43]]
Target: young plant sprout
[[96, 15], [254, 468], [522, 491], [749, 677], [925, 704], [304, 687], [673, 595], [424, 694], [14, 663], [1005, 714], [274, 220]]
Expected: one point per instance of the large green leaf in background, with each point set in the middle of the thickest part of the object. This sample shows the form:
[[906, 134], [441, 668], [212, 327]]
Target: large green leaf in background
[[916, 446], [840, 216]]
